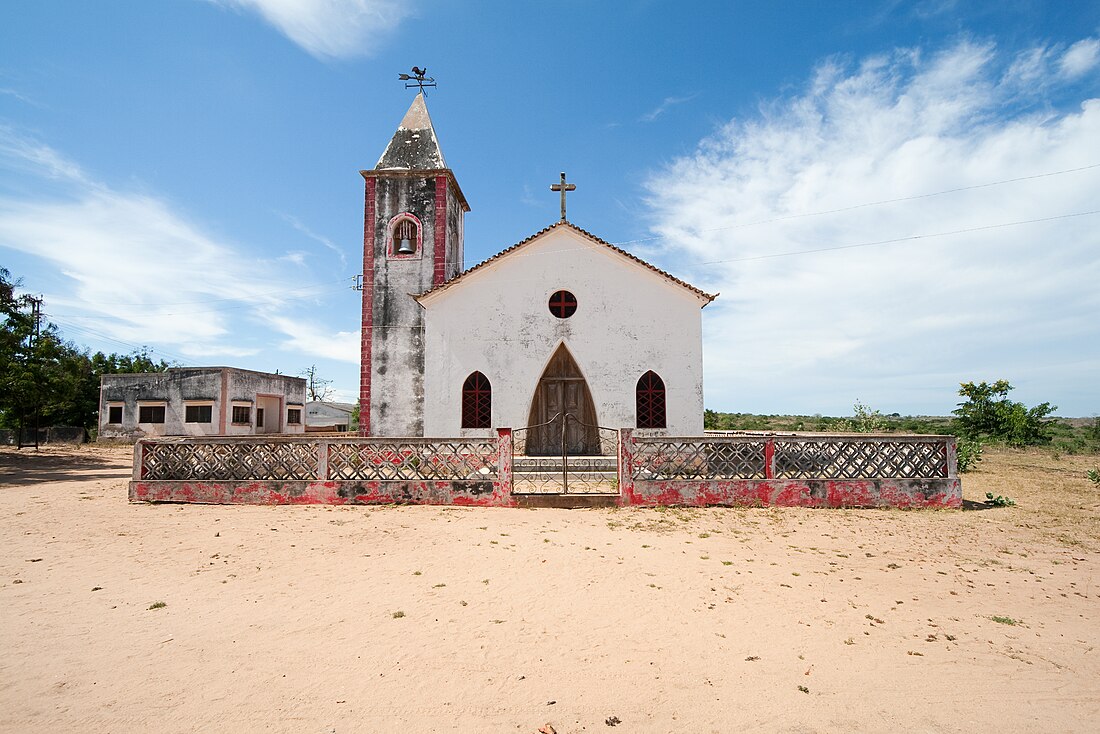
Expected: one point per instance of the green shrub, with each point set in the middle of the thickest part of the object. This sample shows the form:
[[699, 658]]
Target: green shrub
[[987, 411], [998, 501], [968, 454]]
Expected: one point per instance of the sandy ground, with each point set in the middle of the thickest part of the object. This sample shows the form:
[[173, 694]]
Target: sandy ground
[[171, 618]]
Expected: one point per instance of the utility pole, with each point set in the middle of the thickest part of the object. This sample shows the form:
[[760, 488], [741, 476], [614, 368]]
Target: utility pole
[[32, 344]]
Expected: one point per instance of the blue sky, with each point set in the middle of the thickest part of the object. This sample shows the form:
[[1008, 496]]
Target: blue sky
[[892, 197]]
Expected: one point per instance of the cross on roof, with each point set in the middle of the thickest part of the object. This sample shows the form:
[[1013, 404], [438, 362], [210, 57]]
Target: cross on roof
[[563, 187]]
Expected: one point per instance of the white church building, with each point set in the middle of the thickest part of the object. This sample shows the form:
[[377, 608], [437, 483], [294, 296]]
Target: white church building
[[562, 323]]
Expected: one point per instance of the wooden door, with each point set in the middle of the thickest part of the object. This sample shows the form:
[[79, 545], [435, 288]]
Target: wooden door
[[562, 391]]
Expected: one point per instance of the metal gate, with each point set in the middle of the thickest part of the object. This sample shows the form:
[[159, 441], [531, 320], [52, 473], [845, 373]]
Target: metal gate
[[585, 458]]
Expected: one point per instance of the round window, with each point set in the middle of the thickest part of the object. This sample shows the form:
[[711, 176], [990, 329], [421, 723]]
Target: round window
[[563, 304]]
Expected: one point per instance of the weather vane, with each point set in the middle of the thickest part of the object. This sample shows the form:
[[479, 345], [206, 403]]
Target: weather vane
[[419, 78]]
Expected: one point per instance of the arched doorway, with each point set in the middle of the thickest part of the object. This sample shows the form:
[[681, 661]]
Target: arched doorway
[[562, 390]]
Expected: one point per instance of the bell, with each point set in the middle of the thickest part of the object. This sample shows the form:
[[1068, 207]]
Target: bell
[[405, 247]]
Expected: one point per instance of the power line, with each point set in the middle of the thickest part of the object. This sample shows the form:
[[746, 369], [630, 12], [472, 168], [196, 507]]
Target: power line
[[877, 203], [135, 347], [311, 286], [903, 239]]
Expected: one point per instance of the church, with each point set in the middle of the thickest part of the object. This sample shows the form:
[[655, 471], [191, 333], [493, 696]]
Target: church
[[562, 332]]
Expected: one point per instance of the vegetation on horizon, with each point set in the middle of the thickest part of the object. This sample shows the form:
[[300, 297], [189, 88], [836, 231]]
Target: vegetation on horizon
[[985, 416]]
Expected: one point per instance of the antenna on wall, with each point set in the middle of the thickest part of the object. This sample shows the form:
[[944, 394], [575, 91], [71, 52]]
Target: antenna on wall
[[419, 78]]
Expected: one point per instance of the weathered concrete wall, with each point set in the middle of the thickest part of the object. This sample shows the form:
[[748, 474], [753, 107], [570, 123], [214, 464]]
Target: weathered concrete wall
[[455, 231], [901, 493], [629, 320], [218, 387], [297, 492], [159, 466], [898, 493], [277, 392], [396, 349]]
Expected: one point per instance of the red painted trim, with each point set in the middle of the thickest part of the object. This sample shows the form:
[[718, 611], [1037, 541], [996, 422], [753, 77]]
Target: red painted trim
[[769, 459], [367, 325], [901, 493], [504, 457], [439, 271], [225, 408], [626, 466], [465, 493]]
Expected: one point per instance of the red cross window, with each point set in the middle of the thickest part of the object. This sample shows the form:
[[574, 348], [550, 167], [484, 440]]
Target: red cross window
[[651, 401], [563, 304], [477, 402]]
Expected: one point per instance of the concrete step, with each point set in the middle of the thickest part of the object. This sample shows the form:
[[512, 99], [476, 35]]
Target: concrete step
[[567, 501]]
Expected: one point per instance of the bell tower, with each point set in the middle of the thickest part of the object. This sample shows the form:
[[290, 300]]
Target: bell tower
[[412, 242]]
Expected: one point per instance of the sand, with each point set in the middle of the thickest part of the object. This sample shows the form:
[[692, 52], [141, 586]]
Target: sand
[[177, 618]]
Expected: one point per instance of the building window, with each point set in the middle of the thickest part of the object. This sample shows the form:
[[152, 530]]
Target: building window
[[563, 304], [114, 414], [150, 414], [242, 414], [651, 401], [405, 236], [477, 402], [293, 416], [198, 414]]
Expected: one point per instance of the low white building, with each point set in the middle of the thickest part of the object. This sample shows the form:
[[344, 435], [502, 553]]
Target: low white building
[[199, 401], [562, 323], [328, 417]]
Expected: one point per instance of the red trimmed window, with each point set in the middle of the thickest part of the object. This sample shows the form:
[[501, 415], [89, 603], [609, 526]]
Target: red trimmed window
[[563, 304], [651, 401], [477, 402]]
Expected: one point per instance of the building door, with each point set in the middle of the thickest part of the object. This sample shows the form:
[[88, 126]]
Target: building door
[[562, 391], [269, 411]]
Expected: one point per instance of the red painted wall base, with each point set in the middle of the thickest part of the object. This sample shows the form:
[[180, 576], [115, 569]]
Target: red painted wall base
[[902, 493]]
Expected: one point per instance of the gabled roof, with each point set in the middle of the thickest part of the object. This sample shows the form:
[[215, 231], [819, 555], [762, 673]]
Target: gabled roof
[[707, 297], [414, 147]]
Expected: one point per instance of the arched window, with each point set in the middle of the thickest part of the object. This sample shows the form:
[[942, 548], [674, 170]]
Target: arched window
[[650, 396], [477, 402], [404, 236]]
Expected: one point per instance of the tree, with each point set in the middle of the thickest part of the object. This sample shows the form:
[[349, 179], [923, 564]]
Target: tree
[[865, 420], [987, 412], [316, 388], [42, 375], [34, 362]]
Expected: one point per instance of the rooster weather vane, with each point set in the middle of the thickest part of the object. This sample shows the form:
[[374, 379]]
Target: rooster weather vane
[[418, 78]]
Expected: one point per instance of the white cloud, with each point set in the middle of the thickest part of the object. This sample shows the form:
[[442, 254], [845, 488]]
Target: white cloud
[[903, 323], [330, 28], [666, 104], [137, 272], [1081, 58], [317, 339], [297, 224]]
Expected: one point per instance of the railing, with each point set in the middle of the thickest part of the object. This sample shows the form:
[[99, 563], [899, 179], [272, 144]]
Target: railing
[[317, 459], [588, 467], [793, 457], [817, 470]]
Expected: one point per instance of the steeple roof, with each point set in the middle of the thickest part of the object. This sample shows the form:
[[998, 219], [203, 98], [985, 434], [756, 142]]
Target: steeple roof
[[414, 147]]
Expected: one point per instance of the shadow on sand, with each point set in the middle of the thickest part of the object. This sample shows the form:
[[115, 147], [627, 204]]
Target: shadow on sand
[[28, 466]]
